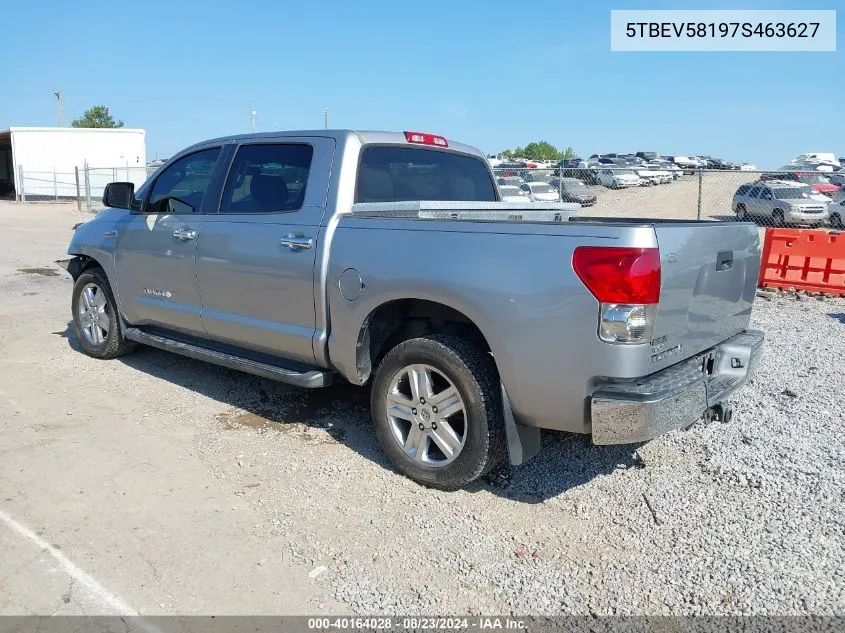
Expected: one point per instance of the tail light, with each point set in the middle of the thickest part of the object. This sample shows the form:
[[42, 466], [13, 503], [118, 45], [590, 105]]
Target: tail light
[[422, 138], [626, 282]]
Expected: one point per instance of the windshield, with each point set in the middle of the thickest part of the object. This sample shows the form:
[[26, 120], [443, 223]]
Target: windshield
[[792, 193], [541, 187], [623, 172]]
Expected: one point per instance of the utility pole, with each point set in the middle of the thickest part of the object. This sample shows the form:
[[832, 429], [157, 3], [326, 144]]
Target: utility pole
[[252, 116], [60, 107], [326, 117]]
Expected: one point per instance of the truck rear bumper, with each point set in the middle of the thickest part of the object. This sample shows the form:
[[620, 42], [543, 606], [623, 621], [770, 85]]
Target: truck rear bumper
[[625, 412]]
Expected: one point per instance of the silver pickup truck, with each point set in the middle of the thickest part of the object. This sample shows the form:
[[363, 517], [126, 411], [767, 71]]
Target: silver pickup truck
[[387, 259]]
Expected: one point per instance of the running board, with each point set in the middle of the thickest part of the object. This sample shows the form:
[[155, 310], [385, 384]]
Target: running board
[[310, 379]]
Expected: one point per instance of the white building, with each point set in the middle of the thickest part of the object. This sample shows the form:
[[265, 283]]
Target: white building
[[41, 162]]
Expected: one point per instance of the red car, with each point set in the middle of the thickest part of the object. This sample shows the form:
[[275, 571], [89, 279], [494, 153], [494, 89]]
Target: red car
[[819, 182]]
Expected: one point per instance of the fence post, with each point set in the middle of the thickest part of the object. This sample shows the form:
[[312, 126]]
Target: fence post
[[560, 182], [78, 194], [55, 186], [700, 171], [87, 187], [22, 192]]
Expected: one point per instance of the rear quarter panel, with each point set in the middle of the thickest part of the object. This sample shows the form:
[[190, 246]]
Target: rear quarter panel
[[514, 281]]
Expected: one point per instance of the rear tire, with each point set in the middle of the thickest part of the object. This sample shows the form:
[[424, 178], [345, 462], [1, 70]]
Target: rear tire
[[778, 218], [741, 212], [407, 424], [95, 316], [836, 221]]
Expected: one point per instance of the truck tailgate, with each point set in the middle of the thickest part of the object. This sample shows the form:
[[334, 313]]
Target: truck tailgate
[[708, 282]]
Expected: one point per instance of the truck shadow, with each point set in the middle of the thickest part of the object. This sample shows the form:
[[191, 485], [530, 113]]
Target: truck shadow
[[341, 413]]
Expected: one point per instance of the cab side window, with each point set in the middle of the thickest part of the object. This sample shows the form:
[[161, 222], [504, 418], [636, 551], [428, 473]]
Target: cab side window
[[268, 178], [181, 187]]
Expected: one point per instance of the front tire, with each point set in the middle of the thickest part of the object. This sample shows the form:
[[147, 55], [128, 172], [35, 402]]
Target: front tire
[[95, 316], [836, 221], [437, 411]]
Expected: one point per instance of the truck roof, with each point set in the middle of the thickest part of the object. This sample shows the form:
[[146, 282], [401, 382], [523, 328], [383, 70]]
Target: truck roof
[[365, 137]]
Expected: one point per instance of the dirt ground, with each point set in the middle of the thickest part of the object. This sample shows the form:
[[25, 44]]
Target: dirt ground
[[100, 460]]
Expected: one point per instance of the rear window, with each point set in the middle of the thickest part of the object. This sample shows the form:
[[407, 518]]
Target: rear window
[[395, 173]]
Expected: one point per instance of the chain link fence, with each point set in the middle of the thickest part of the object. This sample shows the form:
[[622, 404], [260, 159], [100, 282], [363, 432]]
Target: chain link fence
[[84, 185], [769, 198]]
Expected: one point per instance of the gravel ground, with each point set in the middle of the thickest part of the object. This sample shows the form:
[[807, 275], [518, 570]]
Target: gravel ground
[[739, 518]]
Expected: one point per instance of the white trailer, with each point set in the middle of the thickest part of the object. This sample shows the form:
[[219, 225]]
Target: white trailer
[[42, 162]]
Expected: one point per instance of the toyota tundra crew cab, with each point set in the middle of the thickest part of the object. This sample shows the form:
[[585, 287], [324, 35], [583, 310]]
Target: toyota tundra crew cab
[[387, 259]]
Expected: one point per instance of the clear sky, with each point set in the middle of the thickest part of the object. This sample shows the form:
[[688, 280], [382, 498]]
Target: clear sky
[[491, 73]]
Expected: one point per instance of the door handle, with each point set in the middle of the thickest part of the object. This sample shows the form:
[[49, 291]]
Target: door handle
[[185, 234], [296, 242]]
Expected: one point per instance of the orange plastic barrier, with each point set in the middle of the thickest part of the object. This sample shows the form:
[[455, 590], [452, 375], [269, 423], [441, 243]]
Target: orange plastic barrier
[[804, 259]]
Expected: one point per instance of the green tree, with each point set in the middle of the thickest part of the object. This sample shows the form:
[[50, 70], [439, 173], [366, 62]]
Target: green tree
[[96, 116], [506, 153], [541, 150], [567, 153]]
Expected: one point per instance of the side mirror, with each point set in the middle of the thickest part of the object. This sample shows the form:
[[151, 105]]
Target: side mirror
[[120, 195]]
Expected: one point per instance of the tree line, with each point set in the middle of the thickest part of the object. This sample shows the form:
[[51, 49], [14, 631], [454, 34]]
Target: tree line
[[539, 150]]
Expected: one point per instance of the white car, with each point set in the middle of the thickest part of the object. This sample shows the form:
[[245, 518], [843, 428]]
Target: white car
[[512, 193], [747, 167], [665, 165], [655, 174], [619, 178], [540, 192], [687, 163]]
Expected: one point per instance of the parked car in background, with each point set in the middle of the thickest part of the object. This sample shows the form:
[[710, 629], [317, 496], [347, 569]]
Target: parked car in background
[[574, 190], [619, 178], [647, 156], [647, 177], [510, 180], [512, 193], [541, 174], [747, 167], [817, 181], [686, 163], [718, 163], [837, 179], [665, 165], [662, 176], [815, 157], [586, 170], [540, 192], [837, 214], [781, 203], [569, 162]]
